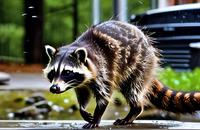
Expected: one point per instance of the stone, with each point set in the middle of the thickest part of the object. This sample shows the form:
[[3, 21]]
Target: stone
[[4, 77]]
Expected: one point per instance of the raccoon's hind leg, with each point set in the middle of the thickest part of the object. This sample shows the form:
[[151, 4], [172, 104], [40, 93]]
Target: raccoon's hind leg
[[83, 95], [132, 115], [130, 90]]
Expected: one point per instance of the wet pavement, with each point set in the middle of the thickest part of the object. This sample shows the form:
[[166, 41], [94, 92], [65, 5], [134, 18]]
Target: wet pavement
[[26, 81], [105, 124]]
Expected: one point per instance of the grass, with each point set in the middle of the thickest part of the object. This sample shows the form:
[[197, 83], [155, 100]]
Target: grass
[[186, 81]]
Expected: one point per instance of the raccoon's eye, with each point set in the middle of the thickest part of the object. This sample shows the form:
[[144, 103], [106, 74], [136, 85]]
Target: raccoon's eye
[[51, 75], [67, 75], [66, 72]]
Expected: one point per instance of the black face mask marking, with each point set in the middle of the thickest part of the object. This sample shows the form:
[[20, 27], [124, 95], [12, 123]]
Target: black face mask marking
[[51, 75], [68, 76]]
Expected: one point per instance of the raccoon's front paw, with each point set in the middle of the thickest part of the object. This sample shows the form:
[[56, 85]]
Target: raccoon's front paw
[[90, 125], [121, 122], [87, 116]]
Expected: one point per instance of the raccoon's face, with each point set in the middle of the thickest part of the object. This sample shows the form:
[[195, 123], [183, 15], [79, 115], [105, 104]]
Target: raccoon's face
[[66, 68]]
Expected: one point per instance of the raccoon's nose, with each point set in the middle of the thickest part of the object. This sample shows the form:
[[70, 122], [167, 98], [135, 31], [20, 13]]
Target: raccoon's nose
[[54, 89]]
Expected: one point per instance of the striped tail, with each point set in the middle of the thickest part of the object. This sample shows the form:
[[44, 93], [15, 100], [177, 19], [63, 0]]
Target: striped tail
[[174, 101]]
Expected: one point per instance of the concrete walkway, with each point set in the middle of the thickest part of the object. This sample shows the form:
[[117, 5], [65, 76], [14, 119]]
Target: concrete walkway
[[26, 81], [105, 124]]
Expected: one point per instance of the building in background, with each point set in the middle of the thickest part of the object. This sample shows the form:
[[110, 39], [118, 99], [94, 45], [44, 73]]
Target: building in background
[[175, 24]]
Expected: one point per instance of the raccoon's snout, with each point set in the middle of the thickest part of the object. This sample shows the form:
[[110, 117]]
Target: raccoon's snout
[[55, 89]]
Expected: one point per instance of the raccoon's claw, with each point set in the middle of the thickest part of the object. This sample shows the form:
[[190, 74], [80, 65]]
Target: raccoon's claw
[[121, 122], [90, 125]]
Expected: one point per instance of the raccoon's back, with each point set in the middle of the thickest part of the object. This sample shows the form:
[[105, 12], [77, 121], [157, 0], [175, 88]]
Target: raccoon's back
[[130, 49], [125, 33], [135, 47]]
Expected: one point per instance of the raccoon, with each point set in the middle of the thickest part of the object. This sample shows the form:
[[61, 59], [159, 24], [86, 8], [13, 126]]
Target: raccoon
[[108, 56]]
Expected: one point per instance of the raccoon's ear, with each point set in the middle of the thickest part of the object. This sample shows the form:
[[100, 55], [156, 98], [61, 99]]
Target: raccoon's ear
[[50, 51], [81, 54]]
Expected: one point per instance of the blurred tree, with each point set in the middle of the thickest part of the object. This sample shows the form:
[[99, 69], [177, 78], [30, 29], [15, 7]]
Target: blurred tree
[[75, 19], [33, 41]]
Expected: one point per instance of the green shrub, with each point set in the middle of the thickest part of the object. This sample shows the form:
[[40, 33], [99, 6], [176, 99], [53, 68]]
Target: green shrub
[[188, 80], [11, 42], [11, 11], [57, 22]]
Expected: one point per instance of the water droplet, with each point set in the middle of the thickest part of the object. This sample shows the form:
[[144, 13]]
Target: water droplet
[[176, 82], [116, 113], [61, 109], [133, 16], [126, 109], [40, 116], [30, 7], [163, 114], [10, 115], [24, 14], [56, 108], [34, 16], [70, 110], [66, 101], [50, 103]]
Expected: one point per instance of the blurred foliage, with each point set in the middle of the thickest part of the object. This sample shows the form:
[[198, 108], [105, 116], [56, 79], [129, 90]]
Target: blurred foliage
[[11, 36], [138, 6], [187, 81], [11, 30], [58, 23], [58, 17], [11, 12]]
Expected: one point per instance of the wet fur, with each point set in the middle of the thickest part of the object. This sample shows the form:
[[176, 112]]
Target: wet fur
[[120, 56]]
